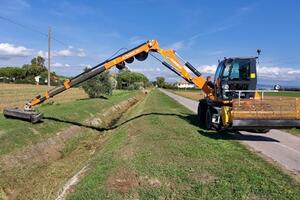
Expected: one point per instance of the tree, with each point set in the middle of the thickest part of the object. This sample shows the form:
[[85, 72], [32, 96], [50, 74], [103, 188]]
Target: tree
[[12, 73], [33, 70], [38, 61], [98, 86], [160, 81], [131, 80]]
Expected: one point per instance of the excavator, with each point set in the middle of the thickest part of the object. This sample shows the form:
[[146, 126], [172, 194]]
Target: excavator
[[232, 101]]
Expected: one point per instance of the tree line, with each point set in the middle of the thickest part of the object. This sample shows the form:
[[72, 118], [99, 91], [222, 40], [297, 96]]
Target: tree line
[[27, 73]]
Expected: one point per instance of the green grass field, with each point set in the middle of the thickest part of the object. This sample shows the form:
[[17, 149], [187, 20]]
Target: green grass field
[[294, 131], [159, 152], [37, 160], [15, 134], [284, 94]]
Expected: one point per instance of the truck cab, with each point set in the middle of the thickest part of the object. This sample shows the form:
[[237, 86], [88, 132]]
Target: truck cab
[[235, 75]]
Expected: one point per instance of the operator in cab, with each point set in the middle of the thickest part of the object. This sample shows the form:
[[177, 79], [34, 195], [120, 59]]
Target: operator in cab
[[209, 82]]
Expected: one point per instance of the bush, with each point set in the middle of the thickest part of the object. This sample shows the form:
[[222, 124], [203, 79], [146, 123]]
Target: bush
[[131, 80], [98, 86]]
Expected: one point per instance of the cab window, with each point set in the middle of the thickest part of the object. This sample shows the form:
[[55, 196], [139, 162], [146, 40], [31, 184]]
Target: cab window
[[237, 71]]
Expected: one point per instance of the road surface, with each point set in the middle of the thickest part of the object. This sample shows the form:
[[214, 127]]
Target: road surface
[[277, 145]]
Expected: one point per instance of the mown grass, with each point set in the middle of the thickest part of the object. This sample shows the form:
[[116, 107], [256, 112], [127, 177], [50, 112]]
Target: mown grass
[[284, 94], [161, 153], [294, 131], [15, 134]]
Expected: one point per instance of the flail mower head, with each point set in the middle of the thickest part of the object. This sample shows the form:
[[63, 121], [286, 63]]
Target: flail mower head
[[26, 115], [267, 113]]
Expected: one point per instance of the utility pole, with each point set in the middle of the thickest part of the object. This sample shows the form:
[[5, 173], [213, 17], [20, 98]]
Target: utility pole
[[49, 55]]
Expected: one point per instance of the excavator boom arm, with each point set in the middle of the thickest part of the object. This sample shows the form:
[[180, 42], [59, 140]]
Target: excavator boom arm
[[173, 63]]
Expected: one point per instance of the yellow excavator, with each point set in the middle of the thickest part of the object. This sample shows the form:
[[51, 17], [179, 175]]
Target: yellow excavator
[[232, 100]]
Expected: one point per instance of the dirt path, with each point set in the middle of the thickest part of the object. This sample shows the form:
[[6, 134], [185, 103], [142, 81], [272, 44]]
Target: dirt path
[[277, 145]]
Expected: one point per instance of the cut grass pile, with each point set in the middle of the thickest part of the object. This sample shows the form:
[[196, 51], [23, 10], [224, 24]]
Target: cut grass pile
[[159, 152]]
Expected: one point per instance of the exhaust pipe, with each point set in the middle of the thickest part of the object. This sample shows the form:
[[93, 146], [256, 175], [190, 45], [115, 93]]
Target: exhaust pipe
[[26, 115]]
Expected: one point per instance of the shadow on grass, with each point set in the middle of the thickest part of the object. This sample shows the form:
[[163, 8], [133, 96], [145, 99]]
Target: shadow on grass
[[88, 98], [190, 118], [116, 124], [235, 135]]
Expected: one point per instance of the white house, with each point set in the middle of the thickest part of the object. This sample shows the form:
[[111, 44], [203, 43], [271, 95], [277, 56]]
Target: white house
[[39, 79], [184, 84]]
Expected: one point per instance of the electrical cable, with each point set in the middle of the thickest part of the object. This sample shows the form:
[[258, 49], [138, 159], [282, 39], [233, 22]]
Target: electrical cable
[[34, 30]]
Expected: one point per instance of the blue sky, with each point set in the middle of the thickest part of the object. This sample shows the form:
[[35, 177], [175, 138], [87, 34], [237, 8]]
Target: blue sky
[[201, 31]]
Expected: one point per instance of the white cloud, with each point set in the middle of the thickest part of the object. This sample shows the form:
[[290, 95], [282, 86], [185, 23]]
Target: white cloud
[[70, 52], [80, 53], [10, 50], [278, 73], [85, 65], [64, 53], [207, 69], [42, 54], [177, 45], [57, 64]]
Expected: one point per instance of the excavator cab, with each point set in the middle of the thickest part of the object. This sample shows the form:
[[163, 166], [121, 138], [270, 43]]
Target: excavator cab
[[233, 75]]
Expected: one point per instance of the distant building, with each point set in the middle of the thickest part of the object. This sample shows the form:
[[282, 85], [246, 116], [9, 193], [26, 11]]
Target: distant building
[[39, 80], [184, 85]]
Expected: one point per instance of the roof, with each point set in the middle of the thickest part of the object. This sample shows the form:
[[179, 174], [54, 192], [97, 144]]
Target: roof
[[182, 82]]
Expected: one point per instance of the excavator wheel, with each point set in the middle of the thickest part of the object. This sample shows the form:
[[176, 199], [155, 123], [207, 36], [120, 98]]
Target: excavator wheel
[[208, 118], [202, 107], [260, 130]]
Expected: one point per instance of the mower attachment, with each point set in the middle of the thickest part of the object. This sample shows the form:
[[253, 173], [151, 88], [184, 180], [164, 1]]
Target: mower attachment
[[266, 113], [264, 123], [30, 115]]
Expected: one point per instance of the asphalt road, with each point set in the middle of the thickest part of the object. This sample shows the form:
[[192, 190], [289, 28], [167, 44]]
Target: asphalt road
[[277, 145]]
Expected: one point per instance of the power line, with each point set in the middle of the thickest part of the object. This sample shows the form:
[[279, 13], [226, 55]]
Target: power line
[[23, 26], [33, 29]]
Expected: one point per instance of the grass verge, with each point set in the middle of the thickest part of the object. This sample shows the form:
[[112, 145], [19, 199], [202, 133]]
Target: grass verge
[[40, 171], [15, 134], [294, 131], [159, 152]]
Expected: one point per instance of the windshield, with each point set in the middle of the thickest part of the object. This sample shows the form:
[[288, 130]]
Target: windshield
[[238, 70]]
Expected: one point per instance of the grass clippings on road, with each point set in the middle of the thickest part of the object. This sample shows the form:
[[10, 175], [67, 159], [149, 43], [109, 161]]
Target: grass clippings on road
[[159, 152]]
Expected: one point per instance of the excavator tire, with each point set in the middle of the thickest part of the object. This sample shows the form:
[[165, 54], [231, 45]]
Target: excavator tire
[[208, 118], [202, 106], [260, 130]]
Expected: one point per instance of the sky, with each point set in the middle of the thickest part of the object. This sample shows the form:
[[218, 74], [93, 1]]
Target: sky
[[87, 32]]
